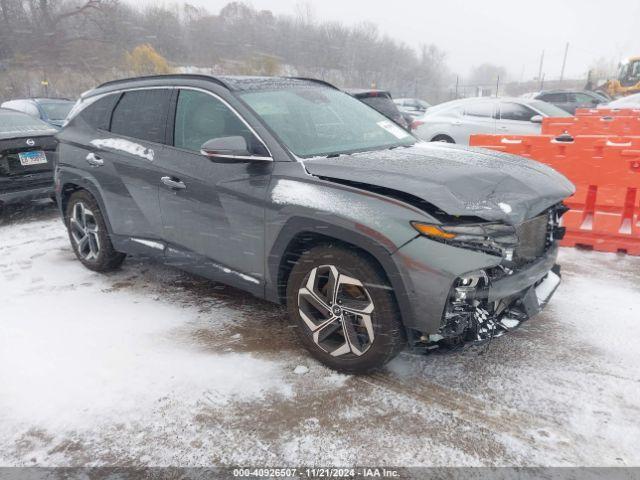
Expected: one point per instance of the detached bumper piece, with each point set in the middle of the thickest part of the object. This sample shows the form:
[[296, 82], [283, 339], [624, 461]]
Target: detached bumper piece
[[480, 309]]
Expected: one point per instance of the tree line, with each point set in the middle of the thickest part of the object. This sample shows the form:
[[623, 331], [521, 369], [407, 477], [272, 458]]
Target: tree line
[[67, 46]]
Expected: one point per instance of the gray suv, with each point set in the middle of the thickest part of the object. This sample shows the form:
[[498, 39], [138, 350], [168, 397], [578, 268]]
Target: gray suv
[[298, 193]]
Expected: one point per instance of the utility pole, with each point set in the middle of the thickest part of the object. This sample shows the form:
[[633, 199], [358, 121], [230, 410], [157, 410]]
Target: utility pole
[[457, 81], [564, 61], [497, 85], [541, 63]]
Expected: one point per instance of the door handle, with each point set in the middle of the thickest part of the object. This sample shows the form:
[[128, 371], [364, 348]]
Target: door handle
[[95, 160], [173, 183]]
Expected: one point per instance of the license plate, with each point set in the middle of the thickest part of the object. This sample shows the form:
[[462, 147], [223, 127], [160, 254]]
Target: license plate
[[32, 158]]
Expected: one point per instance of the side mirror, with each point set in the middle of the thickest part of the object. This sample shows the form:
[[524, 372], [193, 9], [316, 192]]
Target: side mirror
[[230, 148], [536, 119]]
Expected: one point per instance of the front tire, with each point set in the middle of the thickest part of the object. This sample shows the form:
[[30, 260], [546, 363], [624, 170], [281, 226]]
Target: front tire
[[88, 234], [345, 311]]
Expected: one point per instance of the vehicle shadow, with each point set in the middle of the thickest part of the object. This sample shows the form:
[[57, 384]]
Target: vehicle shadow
[[26, 212]]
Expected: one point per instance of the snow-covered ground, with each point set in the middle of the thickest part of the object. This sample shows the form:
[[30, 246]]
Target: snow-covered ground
[[151, 366]]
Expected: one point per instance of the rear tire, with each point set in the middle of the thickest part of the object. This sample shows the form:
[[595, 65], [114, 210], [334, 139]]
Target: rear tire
[[346, 313], [89, 235]]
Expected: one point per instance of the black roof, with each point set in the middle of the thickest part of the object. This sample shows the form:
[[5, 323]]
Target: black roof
[[235, 83]]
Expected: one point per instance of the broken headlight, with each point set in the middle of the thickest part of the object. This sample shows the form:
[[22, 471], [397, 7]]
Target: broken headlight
[[492, 238]]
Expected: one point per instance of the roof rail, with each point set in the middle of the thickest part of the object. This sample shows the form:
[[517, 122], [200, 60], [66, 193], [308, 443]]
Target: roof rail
[[315, 80], [195, 76]]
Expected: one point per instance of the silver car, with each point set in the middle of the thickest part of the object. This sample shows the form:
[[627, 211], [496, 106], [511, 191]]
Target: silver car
[[631, 101], [456, 121]]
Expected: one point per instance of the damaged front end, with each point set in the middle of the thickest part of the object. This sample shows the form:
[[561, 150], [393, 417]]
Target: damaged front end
[[484, 304]]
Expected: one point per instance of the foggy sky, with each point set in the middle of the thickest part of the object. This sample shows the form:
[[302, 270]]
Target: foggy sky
[[471, 32]]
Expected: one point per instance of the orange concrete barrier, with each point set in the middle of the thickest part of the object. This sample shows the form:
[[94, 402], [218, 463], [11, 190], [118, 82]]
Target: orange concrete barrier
[[592, 125], [599, 112], [605, 210]]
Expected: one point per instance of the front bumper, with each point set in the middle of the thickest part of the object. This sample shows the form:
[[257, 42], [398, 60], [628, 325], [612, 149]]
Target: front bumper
[[429, 272]]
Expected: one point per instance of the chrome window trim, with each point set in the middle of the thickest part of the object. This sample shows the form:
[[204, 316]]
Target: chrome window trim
[[84, 103]]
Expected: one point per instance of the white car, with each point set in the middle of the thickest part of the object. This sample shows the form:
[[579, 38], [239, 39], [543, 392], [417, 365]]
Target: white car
[[631, 101], [456, 121]]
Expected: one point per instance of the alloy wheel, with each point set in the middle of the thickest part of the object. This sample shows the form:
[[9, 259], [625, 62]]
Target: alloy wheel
[[84, 231], [337, 310]]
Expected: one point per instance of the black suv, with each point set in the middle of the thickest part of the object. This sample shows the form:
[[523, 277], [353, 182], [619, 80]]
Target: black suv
[[298, 193]]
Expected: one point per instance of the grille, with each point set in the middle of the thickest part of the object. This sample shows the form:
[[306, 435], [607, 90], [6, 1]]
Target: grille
[[532, 239]]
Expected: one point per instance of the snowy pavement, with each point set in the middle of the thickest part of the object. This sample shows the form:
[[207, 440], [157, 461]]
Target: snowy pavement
[[151, 366]]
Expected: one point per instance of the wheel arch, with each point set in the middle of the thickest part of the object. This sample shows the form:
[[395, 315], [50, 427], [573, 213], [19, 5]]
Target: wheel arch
[[300, 234], [71, 185]]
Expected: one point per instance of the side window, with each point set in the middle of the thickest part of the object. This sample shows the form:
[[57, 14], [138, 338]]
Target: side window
[[98, 114], [554, 97], [581, 98], [479, 109], [142, 114], [201, 117], [515, 111]]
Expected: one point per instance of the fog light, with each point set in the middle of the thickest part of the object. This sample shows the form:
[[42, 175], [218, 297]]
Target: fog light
[[508, 254]]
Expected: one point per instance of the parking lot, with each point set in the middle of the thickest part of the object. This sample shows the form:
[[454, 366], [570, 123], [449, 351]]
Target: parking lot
[[152, 366]]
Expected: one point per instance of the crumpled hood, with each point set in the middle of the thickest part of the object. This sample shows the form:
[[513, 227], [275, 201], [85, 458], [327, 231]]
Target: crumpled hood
[[461, 181]]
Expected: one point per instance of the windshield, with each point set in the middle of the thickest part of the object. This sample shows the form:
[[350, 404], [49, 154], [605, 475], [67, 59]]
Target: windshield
[[17, 123], [315, 121], [549, 109], [56, 110]]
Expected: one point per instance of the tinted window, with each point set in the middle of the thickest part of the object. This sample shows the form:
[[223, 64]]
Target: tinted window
[[142, 114], [479, 109], [554, 97], [384, 105], [515, 111], [201, 117], [583, 98], [98, 114]]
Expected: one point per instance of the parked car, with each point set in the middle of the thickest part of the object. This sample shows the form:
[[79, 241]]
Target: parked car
[[630, 101], [298, 193], [50, 110], [27, 150], [383, 103], [570, 100], [457, 120], [413, 106]]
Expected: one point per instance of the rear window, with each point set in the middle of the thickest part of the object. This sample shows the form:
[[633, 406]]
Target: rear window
[[383, 104], [142, 114]]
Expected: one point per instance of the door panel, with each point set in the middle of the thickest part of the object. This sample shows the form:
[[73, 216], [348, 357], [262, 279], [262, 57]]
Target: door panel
[[125, 157], [478, 118], [219, 214]]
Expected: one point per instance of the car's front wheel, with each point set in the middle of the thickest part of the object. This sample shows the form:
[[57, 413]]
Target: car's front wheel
[[88, 233], [344, 308]]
